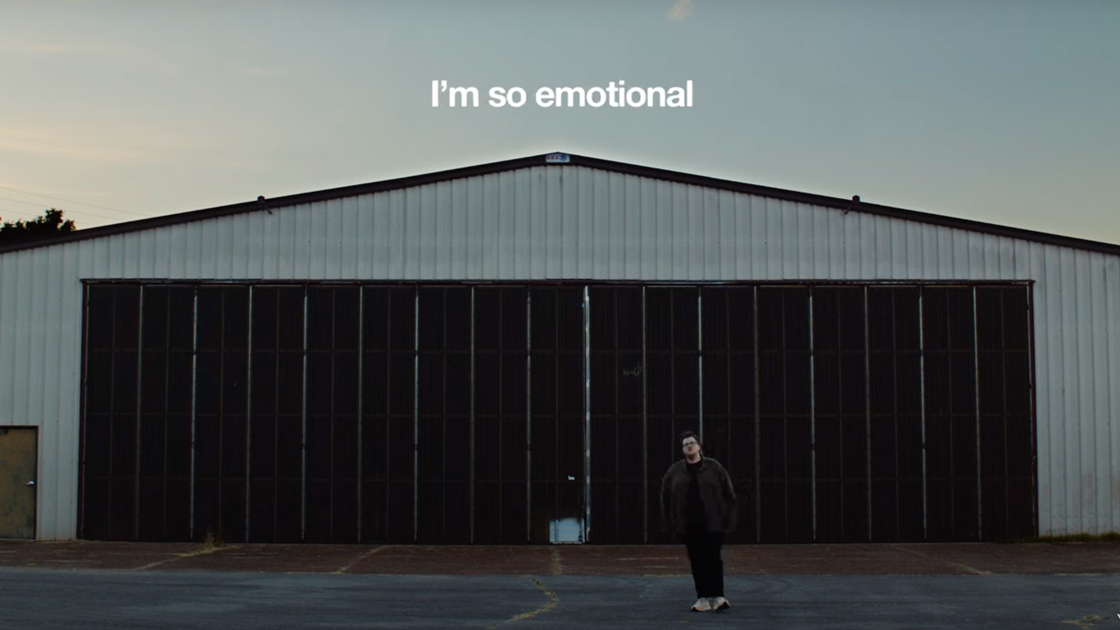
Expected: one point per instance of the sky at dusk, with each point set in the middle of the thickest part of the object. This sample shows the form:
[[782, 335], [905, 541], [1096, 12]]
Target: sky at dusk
[[1004, 111]]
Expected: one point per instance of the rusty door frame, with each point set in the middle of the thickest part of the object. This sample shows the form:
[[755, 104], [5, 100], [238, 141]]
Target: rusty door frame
[[35, 500]]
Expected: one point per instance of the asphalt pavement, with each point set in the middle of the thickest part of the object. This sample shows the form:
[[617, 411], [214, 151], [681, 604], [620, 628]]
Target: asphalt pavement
[[39, 599], [85, 585]]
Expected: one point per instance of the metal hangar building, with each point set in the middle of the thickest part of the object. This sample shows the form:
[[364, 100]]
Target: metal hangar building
[[507, 353]]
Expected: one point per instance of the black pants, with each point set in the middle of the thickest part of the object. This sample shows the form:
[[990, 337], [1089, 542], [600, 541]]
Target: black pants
[[707, 565]]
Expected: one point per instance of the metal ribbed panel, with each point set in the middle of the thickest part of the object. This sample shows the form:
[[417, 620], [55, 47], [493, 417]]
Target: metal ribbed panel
[[8, 277], [1080, 481], [578, 223], [51, 450], [35, 370], [1068, 447], [20, 373], [1099, 390], [1049, 369], [1112, 377]]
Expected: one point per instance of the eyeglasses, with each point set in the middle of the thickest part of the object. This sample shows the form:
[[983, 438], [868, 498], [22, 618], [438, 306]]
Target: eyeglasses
[[690, 443]]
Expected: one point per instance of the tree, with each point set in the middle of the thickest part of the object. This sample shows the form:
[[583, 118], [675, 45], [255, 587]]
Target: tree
[[50, 224]]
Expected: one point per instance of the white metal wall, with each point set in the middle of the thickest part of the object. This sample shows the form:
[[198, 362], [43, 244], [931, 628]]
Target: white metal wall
[[554, 222]]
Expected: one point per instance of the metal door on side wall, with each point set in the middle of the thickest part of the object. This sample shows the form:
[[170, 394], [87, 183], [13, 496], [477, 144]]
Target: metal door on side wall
[[18, 468]]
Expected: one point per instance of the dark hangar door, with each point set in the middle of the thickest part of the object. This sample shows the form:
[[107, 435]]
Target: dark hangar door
[[457, 414]]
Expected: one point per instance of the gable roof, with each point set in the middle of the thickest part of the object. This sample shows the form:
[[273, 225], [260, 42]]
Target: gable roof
[[571, 160]]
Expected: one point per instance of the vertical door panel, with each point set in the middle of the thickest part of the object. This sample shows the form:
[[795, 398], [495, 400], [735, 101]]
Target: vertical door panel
[[897, 478], [444, 447], [952, 510], [840, 422], [557, 472], [729, 394], [1006, 431], [108, 510], [618, 488], [500, 405], [388, 377], [784, 422], [673, 383], [332, 406], [275, 488], [220, 427]]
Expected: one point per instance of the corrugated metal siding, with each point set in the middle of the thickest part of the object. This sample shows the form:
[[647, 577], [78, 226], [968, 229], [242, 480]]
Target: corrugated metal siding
[[579, 223]]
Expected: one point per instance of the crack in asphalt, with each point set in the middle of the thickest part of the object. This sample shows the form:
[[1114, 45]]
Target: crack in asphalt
[[557, 569], [948, 562], [553, 600], [180, 556], [358, 559]]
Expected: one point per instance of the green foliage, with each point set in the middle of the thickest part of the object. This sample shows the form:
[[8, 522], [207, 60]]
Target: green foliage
[[46, 226]]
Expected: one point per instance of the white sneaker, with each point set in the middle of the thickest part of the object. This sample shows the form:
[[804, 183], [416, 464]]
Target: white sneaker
[[719, 603], [702, 605]]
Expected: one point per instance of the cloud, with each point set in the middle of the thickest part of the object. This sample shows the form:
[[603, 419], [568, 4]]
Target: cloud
[[681, 10], [8, 186], [49, 48], [21, 141], [270, 71], [251, 71], [65, 48], [123, 145]]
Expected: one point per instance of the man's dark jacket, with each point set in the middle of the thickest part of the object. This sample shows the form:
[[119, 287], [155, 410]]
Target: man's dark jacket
[[716, 492]]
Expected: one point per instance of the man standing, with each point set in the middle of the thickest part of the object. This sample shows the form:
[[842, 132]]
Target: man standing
[[698, 506]]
